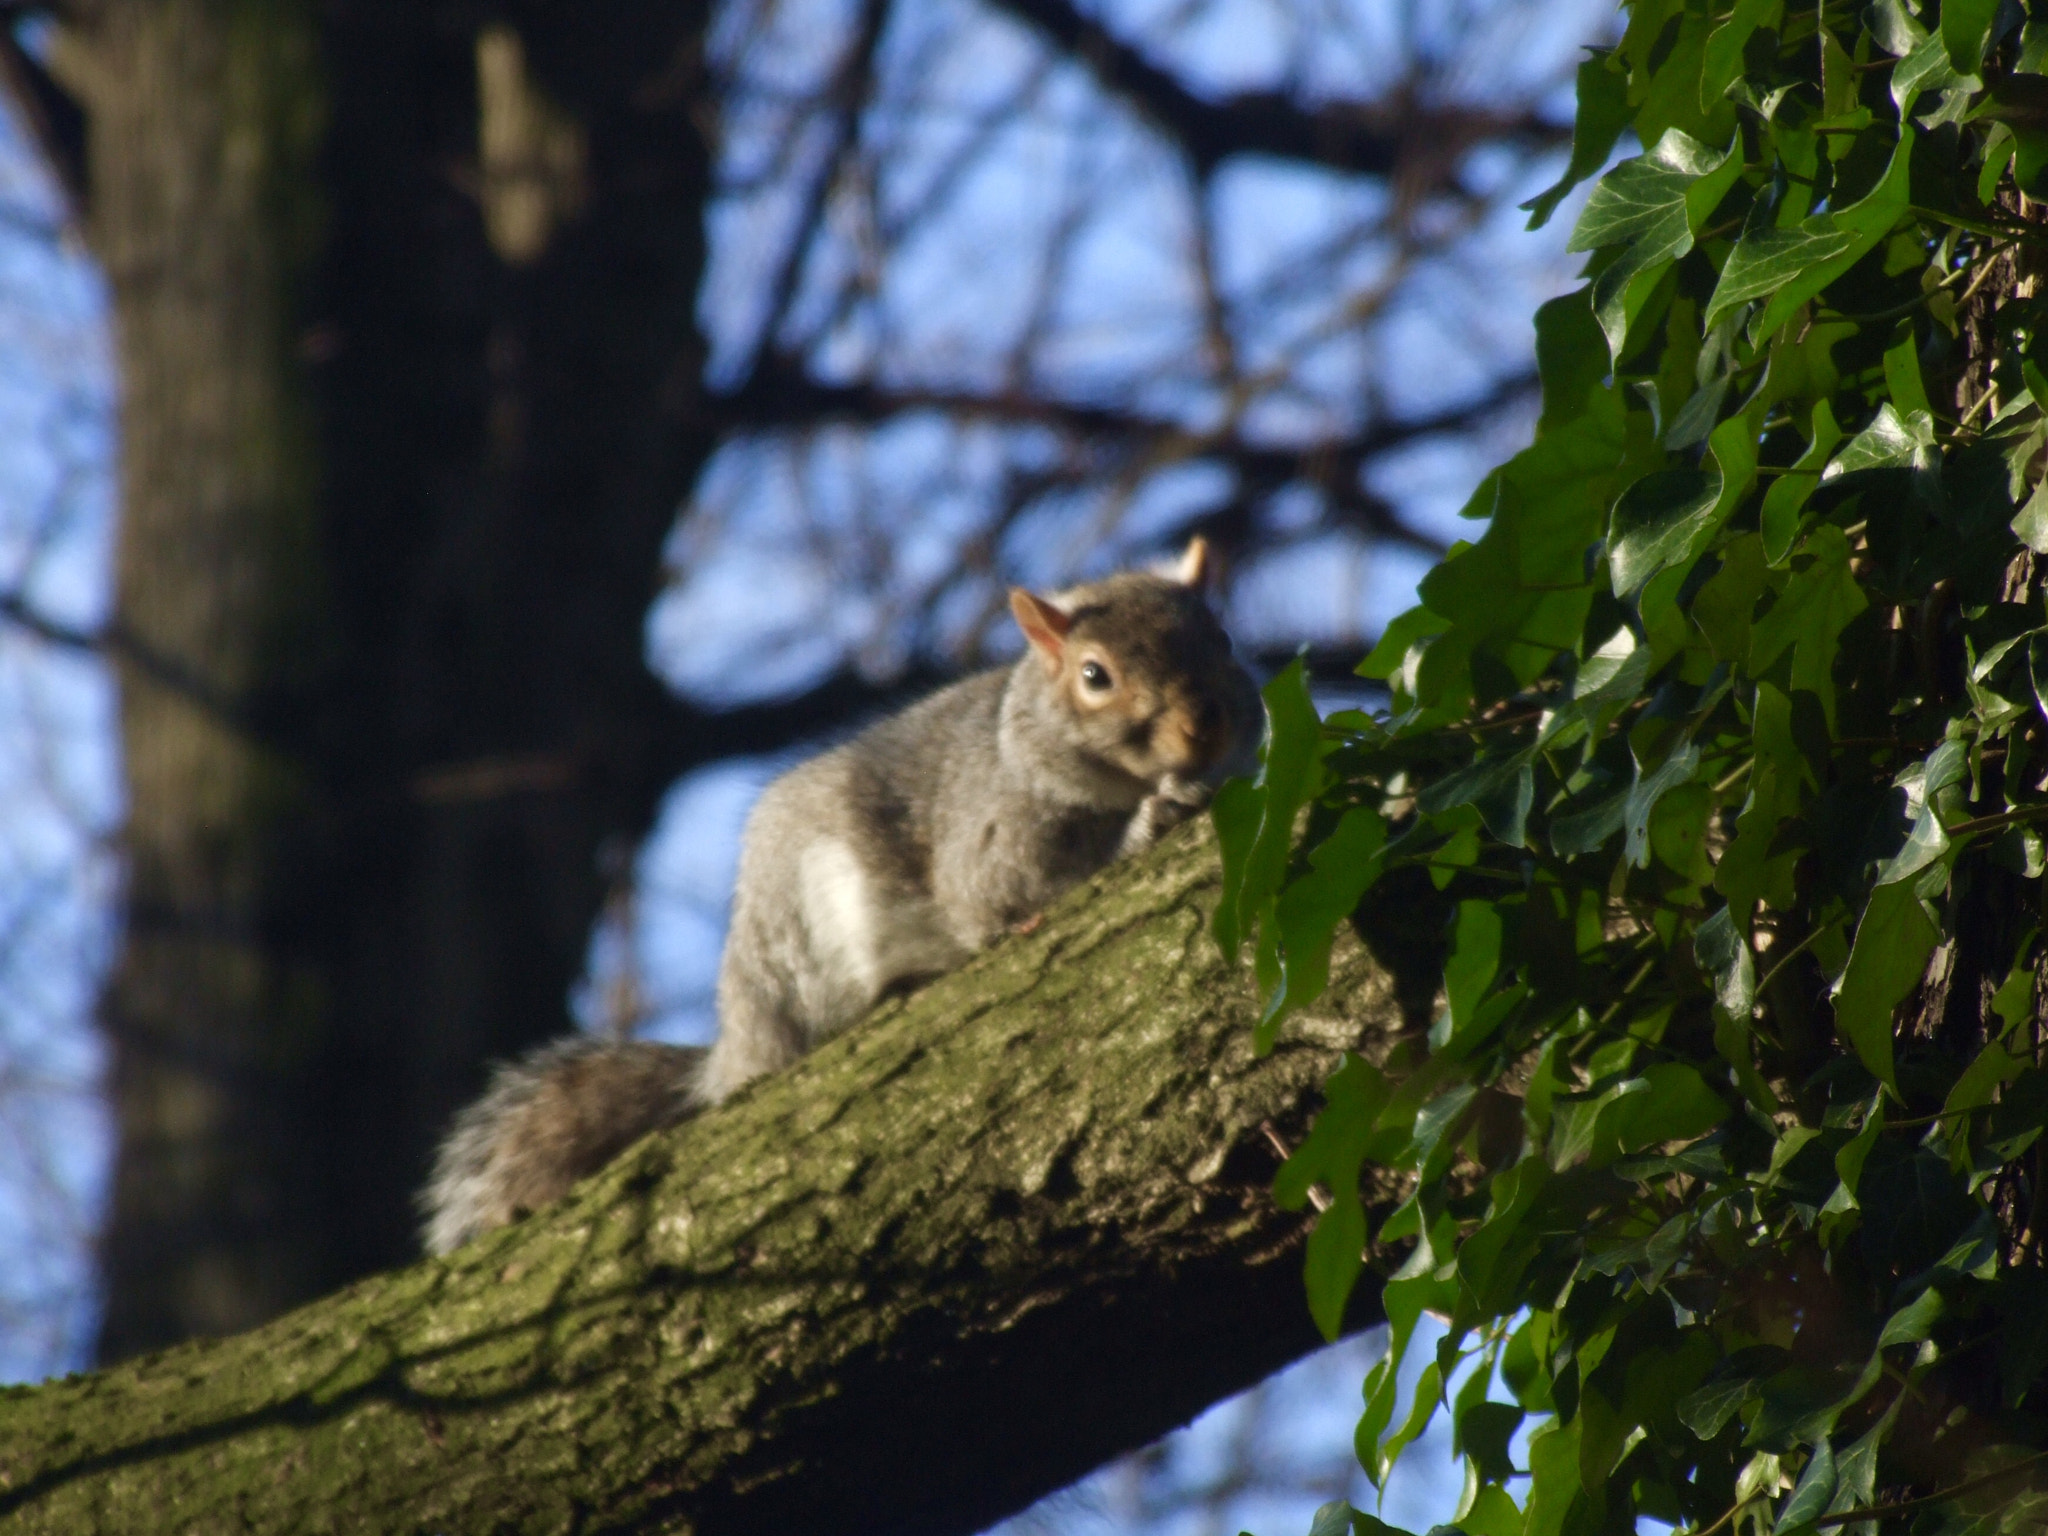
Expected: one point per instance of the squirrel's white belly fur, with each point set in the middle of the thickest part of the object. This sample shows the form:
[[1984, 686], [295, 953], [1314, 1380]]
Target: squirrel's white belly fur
[[863, 940]]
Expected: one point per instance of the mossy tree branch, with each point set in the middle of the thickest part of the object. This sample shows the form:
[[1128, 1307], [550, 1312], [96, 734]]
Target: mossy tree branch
[[1005, 1229]]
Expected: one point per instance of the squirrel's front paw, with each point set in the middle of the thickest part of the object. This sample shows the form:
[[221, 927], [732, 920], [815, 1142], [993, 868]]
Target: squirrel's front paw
[[1171, 803]]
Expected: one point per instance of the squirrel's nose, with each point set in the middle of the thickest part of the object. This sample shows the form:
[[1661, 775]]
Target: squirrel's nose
[[1202, 731]]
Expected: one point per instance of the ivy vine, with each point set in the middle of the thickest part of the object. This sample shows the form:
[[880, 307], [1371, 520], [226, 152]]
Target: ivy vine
[[1710, 804]]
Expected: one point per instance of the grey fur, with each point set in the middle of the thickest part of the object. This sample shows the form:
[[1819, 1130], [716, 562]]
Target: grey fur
[[556, 1115], [894, 857]]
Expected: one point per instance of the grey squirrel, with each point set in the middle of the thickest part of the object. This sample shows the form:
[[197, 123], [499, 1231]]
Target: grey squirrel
[[891, 858]]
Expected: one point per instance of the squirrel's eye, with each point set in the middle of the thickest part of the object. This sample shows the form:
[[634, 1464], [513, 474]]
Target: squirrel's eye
[[1094, 676]]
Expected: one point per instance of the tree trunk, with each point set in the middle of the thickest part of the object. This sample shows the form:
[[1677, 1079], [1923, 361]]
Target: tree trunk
[[409, 401], [951, 1261]]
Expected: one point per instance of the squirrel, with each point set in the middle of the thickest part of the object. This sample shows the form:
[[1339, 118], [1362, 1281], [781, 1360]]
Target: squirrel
[[891, 858]]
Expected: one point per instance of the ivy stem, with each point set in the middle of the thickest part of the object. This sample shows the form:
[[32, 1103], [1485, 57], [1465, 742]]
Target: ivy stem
[[1732, 1511], [1976, 226], [2003, 819], [1981, 269], [1628, 988], [1790, 955], [1886, 1511], [1733, 776], [1986, 263]]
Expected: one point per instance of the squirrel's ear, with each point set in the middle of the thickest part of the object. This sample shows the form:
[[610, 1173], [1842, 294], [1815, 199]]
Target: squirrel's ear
[[1044, 625], [1196, 564]]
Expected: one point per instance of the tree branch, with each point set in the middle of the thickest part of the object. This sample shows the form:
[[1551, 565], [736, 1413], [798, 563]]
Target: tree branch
[[781, 395], [996, 1234], [1343, 135], [51, 115]]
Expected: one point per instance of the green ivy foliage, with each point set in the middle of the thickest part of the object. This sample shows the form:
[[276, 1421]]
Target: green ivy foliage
[[1712, 782]]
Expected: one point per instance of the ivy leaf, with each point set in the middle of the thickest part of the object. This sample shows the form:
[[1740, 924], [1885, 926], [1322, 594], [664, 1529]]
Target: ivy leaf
[[1705, 1410], [1891, 441], [1927, 68], [1793, 265], [1657, 521], [1651, 204], [1520, 595], [1474, 959], [1234, 812], [1815, 1489], [1603, 114], [1491, 1260], [1404, 1300], [1722, 65], [2030, 523], [1555, 1482], [1501, 789], [1647, 790], [1889, 956], [1583, 830], [1893, 27], [1332, 1154], [1926, 843], [1965, 29], [1609, 678], [1289, 778], [1809, 616], [1724, 953], [1571, 358], [1902, 377], [1643, 200], [1855, 1152], [1669, 1102], [1483, 1432], [1341, 869], [1788, 494], [1768, 258], [2014, 999], [1334, 1149], [1437, 1127], [1914, 1321], [1724, 606], [1856, 1469], [1332, 1264], [1404, 632]]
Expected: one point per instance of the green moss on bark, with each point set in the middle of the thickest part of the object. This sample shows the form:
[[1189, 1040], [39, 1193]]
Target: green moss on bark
[[1000, 1231]]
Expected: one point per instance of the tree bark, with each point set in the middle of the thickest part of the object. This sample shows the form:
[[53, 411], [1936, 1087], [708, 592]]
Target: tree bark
[[205, 124], [409, 403], [1002, 1230]]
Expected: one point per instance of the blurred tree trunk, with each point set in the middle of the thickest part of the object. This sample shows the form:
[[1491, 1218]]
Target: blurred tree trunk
[[942, 1266], [404, 300]]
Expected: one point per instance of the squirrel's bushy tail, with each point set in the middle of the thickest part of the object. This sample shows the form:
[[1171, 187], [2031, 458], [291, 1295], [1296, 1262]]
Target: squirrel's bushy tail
[[554, 1116]]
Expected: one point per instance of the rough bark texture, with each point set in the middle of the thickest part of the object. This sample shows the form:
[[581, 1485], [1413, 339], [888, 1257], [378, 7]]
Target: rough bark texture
[[404, 426], [998, 1232]]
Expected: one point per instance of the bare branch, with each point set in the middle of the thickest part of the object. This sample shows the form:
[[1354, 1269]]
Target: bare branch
[[843, 100], [782, 396], [1346, 136], [53, 118]]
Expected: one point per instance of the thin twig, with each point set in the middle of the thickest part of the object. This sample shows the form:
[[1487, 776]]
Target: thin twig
[[1887, 1511]]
